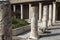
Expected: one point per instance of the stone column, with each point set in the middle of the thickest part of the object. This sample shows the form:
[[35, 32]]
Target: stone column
[[14, 8], [54, 12], [30, 12], [40, 12], [5, 21], [50, 15], [21, 11], [34, 24], [40, 18], [45, 17]]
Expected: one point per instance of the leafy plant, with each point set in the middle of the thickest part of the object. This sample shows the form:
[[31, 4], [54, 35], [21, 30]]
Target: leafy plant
[[16, 22]]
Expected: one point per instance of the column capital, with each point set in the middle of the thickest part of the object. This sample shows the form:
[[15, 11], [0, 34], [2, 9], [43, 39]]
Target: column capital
[[40, 3], [21, 4], [54, 2]]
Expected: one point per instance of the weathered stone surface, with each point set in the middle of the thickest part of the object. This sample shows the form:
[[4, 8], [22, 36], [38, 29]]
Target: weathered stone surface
[[45, 18], [54, 12], [21, 11], [21, 1], [50, 15], [40, 12], [5, 20], [34, 25], [40, 17], [53, 35]]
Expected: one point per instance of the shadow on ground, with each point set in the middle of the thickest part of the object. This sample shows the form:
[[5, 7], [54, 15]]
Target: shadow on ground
[[49, 35], [54, 28], [51, 32]]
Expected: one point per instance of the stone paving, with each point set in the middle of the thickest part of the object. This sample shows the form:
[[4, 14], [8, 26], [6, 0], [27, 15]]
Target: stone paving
[[53, 34]]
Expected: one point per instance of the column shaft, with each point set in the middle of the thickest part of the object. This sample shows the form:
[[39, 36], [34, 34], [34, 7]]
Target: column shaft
[[40, 12], [5, 22], [14, 8], [21, 11], [45, 17], [54, 11], [30, 12], [40, 18], [34, 24], [50, 15]]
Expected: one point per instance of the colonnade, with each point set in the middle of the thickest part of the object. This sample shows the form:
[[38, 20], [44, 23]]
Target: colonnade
[[47, 19], [47, 14], [52, 11]]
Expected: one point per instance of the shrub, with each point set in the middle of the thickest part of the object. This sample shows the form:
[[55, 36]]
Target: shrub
[[16, 22]]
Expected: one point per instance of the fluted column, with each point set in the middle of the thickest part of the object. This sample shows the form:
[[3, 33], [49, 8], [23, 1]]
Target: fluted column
[[5, 21], [34, 24], [21, 11], [14, 8], [54, 12], [50, 15], [45, 17]]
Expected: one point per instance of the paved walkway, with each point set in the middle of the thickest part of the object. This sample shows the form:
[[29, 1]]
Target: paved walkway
[[53, 34]]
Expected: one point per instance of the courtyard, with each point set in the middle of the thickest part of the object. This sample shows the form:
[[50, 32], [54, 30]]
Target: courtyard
[[53, 34], [38, 20]]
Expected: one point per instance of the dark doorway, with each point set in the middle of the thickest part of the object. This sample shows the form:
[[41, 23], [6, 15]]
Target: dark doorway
[[26, 11], [58, 13]]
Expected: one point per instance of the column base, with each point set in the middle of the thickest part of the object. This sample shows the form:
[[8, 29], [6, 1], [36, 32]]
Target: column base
[[53, 23], [49, 23], [31, 39]]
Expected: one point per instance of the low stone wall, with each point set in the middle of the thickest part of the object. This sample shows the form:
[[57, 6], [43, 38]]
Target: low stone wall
[[20, 30]]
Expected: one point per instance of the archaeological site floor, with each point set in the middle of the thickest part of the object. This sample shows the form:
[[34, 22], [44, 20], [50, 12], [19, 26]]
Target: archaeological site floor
[[53, 34]]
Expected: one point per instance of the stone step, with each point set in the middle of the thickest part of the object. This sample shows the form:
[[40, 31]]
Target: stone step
[[18, 38]]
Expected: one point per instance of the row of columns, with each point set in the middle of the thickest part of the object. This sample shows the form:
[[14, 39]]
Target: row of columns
[[21, 7], [40, 12], [5, 22], [46, 19]]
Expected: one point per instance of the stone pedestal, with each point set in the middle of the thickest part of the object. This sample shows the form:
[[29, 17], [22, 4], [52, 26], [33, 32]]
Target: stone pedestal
[[5, 22], [50, 15], [45, 17], [34, 24]]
